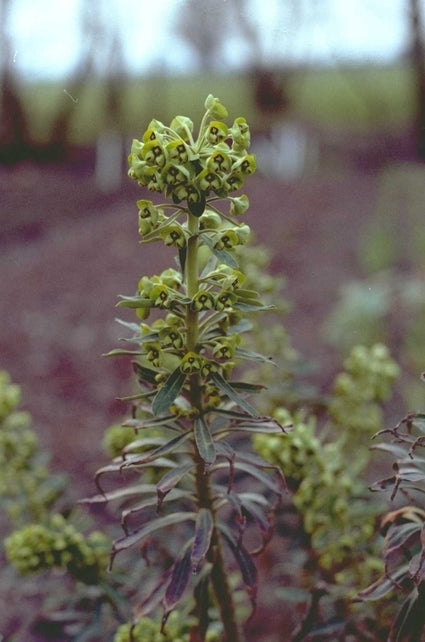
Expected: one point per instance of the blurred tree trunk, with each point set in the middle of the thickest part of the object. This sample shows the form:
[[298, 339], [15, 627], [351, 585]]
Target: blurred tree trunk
[[418, 63], [92, 35], [14, 131]]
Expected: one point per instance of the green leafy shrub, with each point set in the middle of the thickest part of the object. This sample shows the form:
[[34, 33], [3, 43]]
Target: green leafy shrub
[[387, 307], [27, 488], [325, 465]]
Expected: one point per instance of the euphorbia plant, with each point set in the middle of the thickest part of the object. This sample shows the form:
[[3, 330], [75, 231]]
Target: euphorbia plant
[[184, 362]]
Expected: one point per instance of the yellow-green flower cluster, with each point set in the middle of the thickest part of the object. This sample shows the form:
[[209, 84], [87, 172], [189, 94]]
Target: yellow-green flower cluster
[[58, 544], [367, 380], [300, 448], [10, 395], [26, 490], [334, 504], [177, 629], [170, 160]]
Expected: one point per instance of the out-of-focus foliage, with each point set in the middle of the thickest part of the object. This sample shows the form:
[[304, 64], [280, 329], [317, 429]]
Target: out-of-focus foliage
[[403, 529], [325, 465]]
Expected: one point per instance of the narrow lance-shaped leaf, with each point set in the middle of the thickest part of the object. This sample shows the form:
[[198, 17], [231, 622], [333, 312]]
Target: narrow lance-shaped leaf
[[240, 353], [120, 493], [180, 576], [164, 449], [169, 391], [203, 532], [144, 375], [133, 302], [245, 563], [153, 599], [232, 394], [151, 501], [170, 481], [204, 441], [127, 541], [120, 352]]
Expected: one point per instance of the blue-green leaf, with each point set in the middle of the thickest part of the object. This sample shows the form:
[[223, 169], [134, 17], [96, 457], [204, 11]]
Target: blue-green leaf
[[222, 255], [204, 441], [169, 391], [232, 394]]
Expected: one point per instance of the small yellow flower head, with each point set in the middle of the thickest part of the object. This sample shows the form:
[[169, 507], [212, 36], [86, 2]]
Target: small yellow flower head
[[191, 363], [203, 300]]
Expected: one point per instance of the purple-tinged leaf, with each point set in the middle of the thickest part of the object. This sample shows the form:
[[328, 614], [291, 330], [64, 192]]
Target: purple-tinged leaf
[[264, 425], [260, 516], [258, 474], [398, 535], [151, 422], [377, 590], [245, 563], [410, 620], [158, 523], [153, 599], [165, 449], [204, 441], [417, 567], [227, 451], [169, 391], [151, 501], [120, 493], [202, 540], [180, 576], [170, 481]]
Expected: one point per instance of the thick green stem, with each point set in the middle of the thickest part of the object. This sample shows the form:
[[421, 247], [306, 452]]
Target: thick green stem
[[219, 576], [192, 282]]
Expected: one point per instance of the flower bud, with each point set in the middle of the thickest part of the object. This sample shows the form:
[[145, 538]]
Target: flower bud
[[239, 205], [243, 233], [240, 135], [210, 220], [214, 106]]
